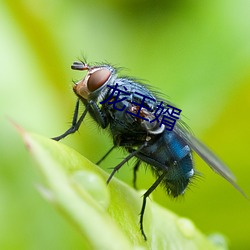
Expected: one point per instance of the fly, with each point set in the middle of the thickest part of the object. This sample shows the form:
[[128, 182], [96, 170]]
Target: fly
[[147, 126]]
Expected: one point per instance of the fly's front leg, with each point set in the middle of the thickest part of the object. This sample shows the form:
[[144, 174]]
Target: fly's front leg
[[97, 114], [75, 123]]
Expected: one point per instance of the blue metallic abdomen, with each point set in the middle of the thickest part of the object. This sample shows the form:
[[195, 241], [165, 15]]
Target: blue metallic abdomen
[[168, 153]]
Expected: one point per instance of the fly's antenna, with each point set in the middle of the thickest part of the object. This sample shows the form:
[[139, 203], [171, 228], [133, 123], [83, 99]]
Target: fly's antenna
[[80, 66]]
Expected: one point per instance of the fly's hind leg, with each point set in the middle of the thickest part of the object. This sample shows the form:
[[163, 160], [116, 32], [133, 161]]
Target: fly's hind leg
[[145, 196], [135, 169]]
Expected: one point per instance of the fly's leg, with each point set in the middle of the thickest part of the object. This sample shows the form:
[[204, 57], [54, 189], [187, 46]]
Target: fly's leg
[[75, 124], [125, 160], [97, 114], [145, 196], [136, 167], [90, 107], [105, 155]]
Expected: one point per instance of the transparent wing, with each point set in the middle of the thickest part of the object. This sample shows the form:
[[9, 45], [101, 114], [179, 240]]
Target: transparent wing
[[208, 156]]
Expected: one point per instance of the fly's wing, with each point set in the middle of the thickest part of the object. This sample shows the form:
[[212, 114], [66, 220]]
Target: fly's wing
[[208, 156]]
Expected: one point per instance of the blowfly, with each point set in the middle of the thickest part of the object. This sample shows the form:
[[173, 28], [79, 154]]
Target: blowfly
[[147, 126]]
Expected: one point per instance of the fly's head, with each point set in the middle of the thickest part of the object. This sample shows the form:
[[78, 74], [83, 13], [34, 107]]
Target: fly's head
[[96, 78]]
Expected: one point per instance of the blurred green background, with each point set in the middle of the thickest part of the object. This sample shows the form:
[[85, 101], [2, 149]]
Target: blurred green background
[[195, 52]]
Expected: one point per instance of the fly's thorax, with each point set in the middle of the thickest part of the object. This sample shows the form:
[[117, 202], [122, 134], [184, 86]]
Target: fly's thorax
[[92, 85]]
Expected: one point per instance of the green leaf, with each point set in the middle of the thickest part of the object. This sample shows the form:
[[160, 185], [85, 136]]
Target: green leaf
[[107, 215]]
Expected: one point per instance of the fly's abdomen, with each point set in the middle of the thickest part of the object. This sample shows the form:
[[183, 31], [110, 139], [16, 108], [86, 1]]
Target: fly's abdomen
[[169, 155], [178, 176], [180, 165]]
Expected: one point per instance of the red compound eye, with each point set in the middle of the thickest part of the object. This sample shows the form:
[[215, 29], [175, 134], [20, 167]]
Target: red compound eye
[[97, 79]]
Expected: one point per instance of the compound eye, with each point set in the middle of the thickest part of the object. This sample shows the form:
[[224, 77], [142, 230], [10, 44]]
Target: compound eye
[[97, 79]]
